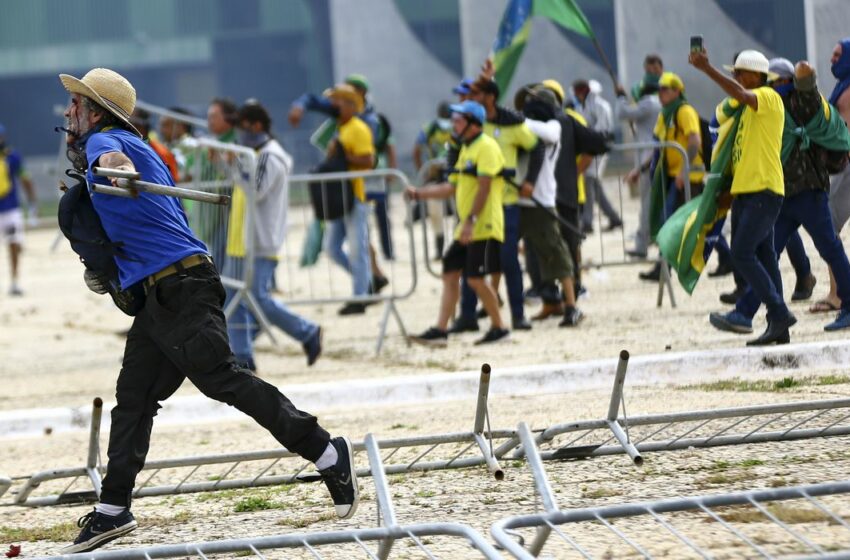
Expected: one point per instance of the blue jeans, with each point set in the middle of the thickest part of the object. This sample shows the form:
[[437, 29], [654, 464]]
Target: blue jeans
[[809, 209], [242, 327], [753, 254], [355, 228], [511, 270]]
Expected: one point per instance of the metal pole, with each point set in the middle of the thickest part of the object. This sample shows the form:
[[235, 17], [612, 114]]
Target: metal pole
[[94, 444], [481, 412], [130, 180], [541, 481], [619, 380], [382, 493], [483, 392]]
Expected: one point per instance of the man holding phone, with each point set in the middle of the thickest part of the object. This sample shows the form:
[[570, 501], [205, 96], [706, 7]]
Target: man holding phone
[[757, 181]]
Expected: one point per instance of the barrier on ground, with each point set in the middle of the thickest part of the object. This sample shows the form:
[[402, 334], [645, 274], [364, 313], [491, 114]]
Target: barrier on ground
[[482, 446]]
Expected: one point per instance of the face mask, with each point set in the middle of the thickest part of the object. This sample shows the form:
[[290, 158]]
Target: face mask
[[444, 124], [784, 89], [252, 139]]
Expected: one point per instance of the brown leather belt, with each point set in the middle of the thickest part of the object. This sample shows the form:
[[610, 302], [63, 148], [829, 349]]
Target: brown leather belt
[[181, 265]]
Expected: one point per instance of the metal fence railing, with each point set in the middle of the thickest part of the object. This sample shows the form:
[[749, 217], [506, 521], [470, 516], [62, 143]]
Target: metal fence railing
[[441, 542], [615, 434], [802, 521]]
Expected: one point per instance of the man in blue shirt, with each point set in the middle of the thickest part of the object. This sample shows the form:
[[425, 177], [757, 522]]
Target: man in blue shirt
[[180, 333], [13, 174]]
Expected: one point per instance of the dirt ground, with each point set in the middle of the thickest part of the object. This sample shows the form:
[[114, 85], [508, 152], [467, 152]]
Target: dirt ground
[[60, 347]]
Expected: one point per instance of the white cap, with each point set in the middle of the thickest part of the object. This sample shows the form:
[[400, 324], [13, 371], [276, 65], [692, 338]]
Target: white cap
[[594, 86], [752, 61]]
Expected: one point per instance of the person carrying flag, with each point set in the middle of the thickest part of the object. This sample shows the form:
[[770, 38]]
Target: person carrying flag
[[805, 168], [757, 180]]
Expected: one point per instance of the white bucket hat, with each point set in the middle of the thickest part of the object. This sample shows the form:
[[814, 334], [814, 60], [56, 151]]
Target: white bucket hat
[[753, 61], [108, 89]]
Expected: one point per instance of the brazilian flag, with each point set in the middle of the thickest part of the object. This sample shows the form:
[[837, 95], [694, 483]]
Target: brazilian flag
[[516, 25], [687, 238]]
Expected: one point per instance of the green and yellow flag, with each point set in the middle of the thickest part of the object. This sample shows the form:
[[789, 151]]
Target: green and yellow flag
[[516, 25]]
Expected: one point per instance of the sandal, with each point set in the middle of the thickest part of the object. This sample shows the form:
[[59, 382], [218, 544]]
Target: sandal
[[823, 306]]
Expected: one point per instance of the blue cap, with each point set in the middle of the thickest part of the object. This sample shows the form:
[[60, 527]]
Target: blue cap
[[472, 109], [464, 87]]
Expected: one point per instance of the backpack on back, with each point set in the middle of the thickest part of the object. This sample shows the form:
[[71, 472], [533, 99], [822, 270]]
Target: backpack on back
[[705, 138], [81, 225]]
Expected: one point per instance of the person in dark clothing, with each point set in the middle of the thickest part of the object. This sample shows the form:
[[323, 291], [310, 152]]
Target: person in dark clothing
[[806, 198], [180, 332], [576, 139]]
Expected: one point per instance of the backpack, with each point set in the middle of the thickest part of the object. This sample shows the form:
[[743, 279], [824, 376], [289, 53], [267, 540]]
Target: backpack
[[332, 200], [81, 225], [705, 138], [384, 131]]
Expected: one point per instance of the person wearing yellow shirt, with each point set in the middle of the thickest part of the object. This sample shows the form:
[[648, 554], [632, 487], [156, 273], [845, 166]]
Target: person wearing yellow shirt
[[758, 185], [477, 185], [508, 129], [354, 137]]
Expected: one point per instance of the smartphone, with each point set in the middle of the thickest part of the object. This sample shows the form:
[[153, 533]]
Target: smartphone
[[696, 43]]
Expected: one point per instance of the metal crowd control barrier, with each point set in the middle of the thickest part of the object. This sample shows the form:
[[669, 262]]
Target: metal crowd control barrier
[[326, 286], [664, 282], [5, 484], [351, 541], [482, 446], [266, 468], [438, 219], [778, 510]]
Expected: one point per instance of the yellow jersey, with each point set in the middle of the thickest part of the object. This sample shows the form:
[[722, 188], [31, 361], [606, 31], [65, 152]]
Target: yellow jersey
[[480, 158], [756, 163], [686, 123], [356, 139], [511, 138]]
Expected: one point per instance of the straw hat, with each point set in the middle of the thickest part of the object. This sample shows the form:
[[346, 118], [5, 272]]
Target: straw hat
[[752, 61], [347, 92], [108, 89]]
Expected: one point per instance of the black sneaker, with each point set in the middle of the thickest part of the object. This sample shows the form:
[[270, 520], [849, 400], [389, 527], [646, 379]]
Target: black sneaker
[[99, 528], [520, 324], [731, 298], [432, 337], [352, 308], [313, 347], [493, 335], [341, 479], [378, 284], [804, 287], [572, 317], [464, 324]]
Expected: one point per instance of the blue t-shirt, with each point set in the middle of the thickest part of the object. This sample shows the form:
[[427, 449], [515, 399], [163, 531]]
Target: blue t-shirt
[[14, 167], [153, 228]]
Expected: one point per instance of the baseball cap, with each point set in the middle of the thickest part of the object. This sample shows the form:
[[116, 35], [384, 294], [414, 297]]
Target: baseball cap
[[470, 108], [345, 91], [672, 81], [464, 87], [358, 81], [555, 86], [782, 67]]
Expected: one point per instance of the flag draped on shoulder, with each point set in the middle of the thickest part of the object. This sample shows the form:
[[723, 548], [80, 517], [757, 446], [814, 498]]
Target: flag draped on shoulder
[[687, 238], [515, 27]]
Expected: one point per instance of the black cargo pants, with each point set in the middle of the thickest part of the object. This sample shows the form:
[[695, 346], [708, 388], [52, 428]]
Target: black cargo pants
[[181, 333]]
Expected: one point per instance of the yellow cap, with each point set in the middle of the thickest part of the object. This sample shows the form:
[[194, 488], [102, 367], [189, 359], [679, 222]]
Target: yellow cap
[[672, 81], [554, 86]]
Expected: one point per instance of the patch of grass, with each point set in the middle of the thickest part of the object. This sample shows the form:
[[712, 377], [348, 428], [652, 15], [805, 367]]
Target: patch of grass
[[62, 532], [255, 503], [769, 385], [301, 521], [425, 494], [747, 463], [404, 427], [725, 478], [600, 492], [785, 513]]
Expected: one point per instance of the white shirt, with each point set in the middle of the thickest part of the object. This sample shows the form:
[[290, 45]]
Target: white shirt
[[546, 187]]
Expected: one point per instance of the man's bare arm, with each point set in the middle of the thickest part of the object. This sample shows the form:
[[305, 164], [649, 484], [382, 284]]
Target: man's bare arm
[[732, 88]]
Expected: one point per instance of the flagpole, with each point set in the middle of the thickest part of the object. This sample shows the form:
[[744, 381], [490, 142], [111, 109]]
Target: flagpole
[[610, 69]]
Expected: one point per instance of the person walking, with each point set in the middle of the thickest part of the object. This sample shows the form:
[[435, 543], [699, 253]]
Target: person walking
[[180, 332], [12, 175]]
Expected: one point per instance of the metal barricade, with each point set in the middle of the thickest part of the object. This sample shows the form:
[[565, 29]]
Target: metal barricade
[[350, 542], [776, 523], [600, 258], [483, 446], [322, 283], [438, 220]]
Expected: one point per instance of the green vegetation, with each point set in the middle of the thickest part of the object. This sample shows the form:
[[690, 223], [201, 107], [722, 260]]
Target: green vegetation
[[256, 503], [62, 532], [769, 385]]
